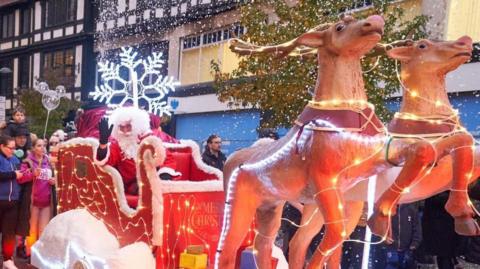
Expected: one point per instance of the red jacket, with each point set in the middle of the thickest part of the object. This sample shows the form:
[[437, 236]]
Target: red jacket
[[127, 167]]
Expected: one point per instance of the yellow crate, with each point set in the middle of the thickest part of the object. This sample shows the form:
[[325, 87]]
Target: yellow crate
[[193, 261]]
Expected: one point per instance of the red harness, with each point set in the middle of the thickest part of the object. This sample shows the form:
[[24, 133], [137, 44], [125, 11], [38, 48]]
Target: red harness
[[362, 121], [400, 127]]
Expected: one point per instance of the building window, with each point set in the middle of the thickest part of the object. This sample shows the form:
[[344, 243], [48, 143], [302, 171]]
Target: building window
[[23, 72], [60, 12], [357, 4], [71, 10], [144, 51], [8, 25], [216, 36], [25, 21], [107, 10], [191, 42], [6, 79], [61, 62], [361, 4], [475, 53]]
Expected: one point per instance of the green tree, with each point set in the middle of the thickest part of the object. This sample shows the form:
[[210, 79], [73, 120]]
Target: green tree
[[281, 87], [31, 100]]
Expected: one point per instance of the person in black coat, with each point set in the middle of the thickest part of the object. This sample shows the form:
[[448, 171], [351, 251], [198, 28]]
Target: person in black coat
[[406, 235], [20, 134], [213, 155], [439, 233], [472, 254], [9, 197]]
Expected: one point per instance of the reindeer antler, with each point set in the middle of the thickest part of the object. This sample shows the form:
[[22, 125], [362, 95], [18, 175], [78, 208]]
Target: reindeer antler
[[289, 48], [381, 49]]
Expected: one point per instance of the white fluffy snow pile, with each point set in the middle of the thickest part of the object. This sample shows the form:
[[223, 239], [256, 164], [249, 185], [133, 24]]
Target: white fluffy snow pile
[[77, 237]]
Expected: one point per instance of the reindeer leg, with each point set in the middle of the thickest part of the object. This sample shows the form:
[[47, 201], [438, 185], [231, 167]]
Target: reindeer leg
[[458, 204], [330, 202], [418, 157], [268, 221], [239, 212], [353, 212], [309, 227]]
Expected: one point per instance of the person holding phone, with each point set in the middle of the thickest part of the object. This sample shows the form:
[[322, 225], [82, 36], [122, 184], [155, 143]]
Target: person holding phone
[[36, 168]]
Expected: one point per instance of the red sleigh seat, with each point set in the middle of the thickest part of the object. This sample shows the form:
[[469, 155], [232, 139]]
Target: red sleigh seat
[[189, 163], [172, 214]]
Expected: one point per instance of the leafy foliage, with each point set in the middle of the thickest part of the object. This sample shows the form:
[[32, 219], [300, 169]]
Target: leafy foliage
[[282, 87], [31, 100]]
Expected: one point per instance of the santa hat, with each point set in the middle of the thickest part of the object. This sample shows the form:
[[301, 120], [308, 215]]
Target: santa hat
[[138, 118]]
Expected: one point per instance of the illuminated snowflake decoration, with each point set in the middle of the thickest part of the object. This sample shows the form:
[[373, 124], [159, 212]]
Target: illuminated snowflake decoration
[[149, 86]]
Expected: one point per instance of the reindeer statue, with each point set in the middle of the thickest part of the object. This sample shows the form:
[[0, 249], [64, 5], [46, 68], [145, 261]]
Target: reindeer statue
[[337, 141], [426, 113]]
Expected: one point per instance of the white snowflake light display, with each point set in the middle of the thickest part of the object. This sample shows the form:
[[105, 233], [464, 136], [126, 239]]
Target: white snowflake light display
[[149, 86]]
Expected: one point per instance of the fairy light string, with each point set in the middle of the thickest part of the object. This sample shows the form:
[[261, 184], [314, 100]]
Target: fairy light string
[[94, 195], [450, 120]]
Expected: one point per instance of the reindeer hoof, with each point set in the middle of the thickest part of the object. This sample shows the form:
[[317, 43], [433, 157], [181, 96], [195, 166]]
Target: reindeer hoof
[[467, 226], [379, 224]]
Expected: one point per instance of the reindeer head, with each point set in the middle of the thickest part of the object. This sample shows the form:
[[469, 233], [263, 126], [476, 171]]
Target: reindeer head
[[347, 37], [427, 56]]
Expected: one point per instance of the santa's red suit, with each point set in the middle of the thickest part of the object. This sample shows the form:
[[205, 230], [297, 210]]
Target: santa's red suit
[[127, 167], [122, 157]]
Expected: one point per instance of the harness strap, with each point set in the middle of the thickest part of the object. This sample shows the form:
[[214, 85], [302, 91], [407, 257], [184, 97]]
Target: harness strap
[[389, 141]]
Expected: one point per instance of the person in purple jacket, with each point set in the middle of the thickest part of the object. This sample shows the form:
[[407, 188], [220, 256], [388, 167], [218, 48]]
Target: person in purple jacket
[[36, 167], [9, 196]]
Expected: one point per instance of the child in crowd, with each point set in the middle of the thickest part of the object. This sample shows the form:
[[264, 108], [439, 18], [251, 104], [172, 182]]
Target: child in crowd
[[53, 145], [9, 198], [52, 149], [36, 168], [18, 121]]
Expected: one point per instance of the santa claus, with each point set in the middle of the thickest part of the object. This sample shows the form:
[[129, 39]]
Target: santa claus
[[130, 126]]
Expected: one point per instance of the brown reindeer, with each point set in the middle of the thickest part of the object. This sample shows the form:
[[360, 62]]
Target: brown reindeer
[[336, 131], [425, 114]]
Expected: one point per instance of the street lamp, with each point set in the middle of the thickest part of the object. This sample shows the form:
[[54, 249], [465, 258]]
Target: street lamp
[[3, 70]]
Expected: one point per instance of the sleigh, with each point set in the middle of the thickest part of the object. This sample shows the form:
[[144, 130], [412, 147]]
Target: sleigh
[[167, 216]]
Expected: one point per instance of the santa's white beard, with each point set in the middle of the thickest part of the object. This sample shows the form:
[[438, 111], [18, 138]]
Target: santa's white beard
[[128, 144]]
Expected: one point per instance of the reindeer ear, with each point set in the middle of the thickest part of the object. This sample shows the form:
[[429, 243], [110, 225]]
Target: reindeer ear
[[402, 54], [311, 39]]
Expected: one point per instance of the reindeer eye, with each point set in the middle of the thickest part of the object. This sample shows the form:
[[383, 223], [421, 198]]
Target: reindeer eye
[[340, 27], [422, 46]]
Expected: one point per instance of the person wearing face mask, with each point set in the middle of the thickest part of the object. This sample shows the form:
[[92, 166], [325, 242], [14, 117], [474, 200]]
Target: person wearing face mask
[[130, 126], [9, 198]]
